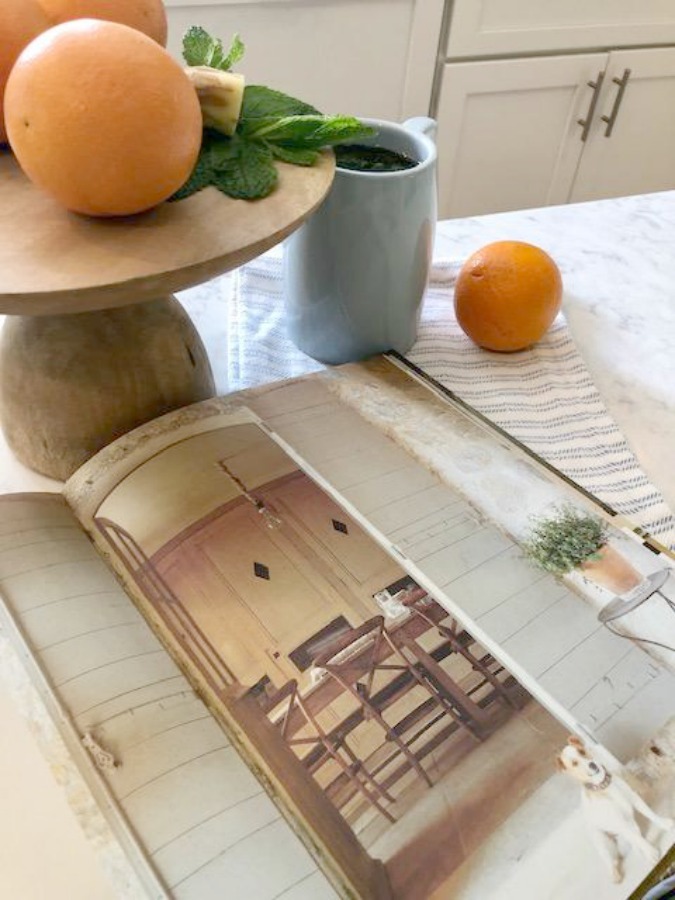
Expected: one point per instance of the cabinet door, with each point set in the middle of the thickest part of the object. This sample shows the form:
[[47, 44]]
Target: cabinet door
[[639, 156], [508, 134], [353, 561]]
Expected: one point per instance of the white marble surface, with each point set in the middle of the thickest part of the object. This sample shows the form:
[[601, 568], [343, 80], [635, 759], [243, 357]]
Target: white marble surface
[[617, 258]]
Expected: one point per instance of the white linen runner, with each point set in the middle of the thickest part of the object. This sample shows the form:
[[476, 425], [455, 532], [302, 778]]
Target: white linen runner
[[544, 396]]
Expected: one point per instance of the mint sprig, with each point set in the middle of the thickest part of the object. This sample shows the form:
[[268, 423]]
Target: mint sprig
[[200, 49], [295, 155], [272, 126], [245, 169], [304, 132], [240, 168], [262, 102]]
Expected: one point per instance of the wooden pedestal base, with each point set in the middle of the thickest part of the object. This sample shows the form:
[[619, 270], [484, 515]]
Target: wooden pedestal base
[[70, 384]]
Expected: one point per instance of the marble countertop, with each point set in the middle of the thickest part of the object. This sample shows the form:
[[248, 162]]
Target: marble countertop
[[617, 258]]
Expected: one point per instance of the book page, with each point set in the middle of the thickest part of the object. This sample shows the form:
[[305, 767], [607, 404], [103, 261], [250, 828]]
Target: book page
[[173, 789], [56, 596], [336, 564]]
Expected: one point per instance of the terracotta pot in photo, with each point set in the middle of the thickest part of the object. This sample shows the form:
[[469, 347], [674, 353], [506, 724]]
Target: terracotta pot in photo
[[611, 571]]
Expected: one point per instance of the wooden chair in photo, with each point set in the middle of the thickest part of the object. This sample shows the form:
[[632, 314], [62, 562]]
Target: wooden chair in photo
[[299, 725], [461, 642], [375, 666]]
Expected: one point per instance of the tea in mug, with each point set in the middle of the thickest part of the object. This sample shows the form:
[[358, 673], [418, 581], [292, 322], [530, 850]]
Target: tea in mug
[[361, 158]]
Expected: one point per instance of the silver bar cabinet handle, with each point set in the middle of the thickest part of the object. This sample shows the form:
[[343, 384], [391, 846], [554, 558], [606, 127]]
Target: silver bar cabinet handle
[[611, 118], [597, 87]]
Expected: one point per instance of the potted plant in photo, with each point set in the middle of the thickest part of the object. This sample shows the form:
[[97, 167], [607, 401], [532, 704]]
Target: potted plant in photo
[[569, 539]]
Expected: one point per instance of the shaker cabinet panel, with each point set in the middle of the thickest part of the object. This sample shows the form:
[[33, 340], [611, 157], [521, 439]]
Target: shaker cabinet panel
[[508, 134], [638, 154]]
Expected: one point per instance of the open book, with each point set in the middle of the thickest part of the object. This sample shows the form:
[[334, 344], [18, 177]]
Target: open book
[[298, 635]]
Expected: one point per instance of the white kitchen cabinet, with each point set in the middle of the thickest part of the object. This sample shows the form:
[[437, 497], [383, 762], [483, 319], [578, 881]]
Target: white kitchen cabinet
[[508, 136], [639, 154], [509, 128], [373, 58]]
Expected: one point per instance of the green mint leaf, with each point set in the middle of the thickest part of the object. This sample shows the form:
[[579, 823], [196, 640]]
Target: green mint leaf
[[239, 168], [245, 170], [198, 180], [262, 102], [200, 49], [296, 155], [310, 132], [234, 54], [198, 46]]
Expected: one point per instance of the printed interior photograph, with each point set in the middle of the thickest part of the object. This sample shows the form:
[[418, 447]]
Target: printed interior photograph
[[343, 619], [377, 637], [348, 665]]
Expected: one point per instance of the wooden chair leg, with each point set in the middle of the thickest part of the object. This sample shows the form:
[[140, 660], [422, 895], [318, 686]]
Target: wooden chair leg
[[352, 769], [391, 734], [372, 781], [432, 688], [464, 710], [480, 667]]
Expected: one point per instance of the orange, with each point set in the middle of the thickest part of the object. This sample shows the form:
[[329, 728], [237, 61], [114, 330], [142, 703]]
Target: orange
[[507, 295], [102, 118], [20, 22], [148, 16]]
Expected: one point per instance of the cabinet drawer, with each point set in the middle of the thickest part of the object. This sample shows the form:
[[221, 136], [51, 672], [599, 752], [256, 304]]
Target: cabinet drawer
[[493, 27]]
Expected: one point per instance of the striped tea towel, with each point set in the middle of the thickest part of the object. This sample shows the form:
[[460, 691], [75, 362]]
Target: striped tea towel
[[544, 397]]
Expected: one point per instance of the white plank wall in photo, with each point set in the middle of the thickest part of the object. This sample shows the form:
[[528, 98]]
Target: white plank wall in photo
[[540, 630], [203, 820]]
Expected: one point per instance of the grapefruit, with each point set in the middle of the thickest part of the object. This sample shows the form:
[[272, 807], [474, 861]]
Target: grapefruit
[[102, 118], [148, 16], [20, 22], [507, 295]]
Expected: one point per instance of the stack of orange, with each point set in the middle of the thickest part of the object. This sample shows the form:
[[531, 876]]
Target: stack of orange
[[97, 112]]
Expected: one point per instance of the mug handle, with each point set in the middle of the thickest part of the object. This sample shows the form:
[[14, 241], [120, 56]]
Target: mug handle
[[422, 124]]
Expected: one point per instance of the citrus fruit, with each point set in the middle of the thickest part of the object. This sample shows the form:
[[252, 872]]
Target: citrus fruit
[[148, 16], [102, 118], [507, 295], [20, 22]]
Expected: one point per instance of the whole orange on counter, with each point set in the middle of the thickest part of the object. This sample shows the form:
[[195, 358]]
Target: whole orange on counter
[[148, 16], [507, 295], [20, 22], [102, 118]]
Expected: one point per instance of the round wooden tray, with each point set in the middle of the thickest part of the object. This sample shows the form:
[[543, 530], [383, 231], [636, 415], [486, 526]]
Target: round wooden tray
[[53, 261], [94, 343]]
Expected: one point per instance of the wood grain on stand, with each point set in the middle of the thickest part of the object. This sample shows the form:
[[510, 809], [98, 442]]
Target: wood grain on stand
[[53, 261]]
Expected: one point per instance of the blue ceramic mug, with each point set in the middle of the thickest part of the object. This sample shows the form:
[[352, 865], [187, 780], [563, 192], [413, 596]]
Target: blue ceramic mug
[[356, 271]]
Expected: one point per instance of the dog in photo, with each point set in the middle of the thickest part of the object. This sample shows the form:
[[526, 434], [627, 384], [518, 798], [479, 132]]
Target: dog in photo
[[610, 804]]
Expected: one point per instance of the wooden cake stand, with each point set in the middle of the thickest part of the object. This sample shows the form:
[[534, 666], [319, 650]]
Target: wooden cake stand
[[94, 343]]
